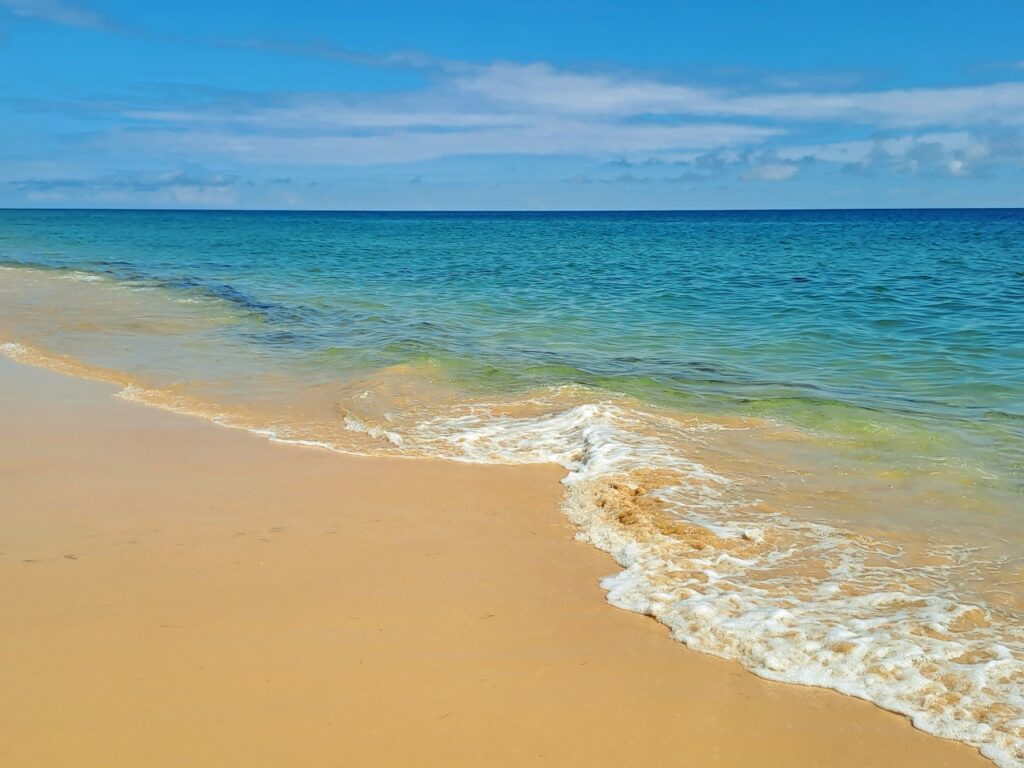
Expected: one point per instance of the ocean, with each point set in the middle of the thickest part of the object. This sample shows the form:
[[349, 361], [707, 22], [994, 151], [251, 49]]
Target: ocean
[[800, 434]]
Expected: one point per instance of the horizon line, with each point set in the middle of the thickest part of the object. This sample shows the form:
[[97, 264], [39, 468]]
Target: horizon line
[[509, 210]]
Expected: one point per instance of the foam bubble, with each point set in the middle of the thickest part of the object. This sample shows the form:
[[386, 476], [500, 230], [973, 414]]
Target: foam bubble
[[792, 600]]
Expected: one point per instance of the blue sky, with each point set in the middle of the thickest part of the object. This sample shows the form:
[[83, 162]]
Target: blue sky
[[524, 105]]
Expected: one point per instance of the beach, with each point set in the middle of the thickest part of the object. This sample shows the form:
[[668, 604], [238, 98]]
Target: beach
[[177, 593], [809, 468], [463, 384]]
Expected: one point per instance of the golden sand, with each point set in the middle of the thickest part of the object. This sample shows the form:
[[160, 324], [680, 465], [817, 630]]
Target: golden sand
[[177, 594]]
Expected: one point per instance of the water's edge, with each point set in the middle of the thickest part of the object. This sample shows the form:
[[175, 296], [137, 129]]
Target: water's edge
[[625, 508]]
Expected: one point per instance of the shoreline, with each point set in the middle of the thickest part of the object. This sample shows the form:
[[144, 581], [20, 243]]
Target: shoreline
[[179, 594]]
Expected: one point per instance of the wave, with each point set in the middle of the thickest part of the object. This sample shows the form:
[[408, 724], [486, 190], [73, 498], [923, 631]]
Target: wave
[[792, 600], [729, 573]]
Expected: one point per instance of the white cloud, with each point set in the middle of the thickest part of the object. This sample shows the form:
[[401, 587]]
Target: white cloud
[[903, 108], [549, 137], [950, 153], [57, 12], [540, 86], [771, 172], [536, 109], [517, 109], [853, 151], [170, 188]]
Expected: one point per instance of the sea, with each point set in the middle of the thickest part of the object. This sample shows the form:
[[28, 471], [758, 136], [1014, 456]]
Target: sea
[[799, 434]]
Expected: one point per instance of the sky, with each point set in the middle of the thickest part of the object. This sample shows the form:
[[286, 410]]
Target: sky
[[526, 105]]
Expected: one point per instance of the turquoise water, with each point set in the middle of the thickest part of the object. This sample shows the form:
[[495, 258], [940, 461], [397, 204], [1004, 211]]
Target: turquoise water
[[858, 371], [805, 315]]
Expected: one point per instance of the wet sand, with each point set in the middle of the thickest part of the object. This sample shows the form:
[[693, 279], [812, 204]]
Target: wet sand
[[173, 593]]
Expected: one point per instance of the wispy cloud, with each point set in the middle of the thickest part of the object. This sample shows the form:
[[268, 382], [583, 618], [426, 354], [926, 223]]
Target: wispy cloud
[[955, 155], [444, 119], [57, 12], [535, 108], [718, 165], [522, 109], [178, 187], [550, 137], [328, 49], [771, 172], [680, 132], [541, 86]]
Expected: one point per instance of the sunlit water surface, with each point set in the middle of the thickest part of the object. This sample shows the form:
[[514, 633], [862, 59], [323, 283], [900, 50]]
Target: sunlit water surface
[[800, 434]]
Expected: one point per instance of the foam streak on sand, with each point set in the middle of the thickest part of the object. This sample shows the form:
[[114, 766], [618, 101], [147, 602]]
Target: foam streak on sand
[[799, 434], [792, 600], [183, 595]]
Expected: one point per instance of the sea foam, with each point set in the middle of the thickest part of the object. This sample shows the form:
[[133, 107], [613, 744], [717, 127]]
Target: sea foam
[[792, 600]]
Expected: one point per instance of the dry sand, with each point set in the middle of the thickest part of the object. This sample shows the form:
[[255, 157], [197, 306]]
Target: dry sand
[[174, 593]]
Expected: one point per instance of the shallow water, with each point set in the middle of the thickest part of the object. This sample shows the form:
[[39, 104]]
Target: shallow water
[[801, 434]]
